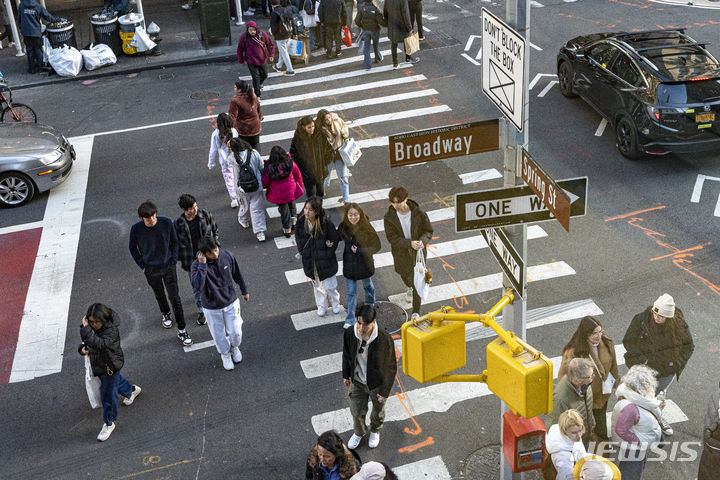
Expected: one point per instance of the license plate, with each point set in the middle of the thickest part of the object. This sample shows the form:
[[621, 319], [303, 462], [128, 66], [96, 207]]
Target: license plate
[[705, 117]]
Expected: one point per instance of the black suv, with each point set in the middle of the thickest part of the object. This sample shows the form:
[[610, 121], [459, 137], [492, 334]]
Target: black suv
[[660, 90]]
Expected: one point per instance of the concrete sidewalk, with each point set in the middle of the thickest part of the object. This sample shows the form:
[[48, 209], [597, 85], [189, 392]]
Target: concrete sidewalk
[[181, 45]]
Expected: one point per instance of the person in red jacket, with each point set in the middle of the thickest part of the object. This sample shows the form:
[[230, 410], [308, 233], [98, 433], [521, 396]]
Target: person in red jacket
[[246, 114], [256, 49], [283, 181]]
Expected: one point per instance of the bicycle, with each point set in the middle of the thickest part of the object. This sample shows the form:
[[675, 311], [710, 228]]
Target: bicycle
[[13, 112]]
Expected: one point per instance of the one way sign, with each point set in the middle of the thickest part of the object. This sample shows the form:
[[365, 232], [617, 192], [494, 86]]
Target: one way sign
[[513, 205]]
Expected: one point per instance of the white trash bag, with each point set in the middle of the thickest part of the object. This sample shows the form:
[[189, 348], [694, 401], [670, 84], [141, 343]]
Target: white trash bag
[[66, 61], [141, 40], [92, 385], [97, 56]]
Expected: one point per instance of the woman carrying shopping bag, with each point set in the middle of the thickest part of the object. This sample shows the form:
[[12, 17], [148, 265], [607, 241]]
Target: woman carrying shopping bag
[[247, 178], [361, 243], [219, 140], [284, 184], [336, 132], [246, 114], [317, 239]]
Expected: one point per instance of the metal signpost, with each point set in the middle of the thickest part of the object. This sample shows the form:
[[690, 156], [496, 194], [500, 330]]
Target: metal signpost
[[444, 142], [514, 205], [546, 189], [510, 261]]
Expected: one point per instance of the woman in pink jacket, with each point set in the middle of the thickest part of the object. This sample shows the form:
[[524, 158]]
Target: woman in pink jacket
[[283, 181]]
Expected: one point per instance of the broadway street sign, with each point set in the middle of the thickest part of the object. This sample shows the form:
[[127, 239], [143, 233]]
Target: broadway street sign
[[513, 205], [444, 142], [509, 260]]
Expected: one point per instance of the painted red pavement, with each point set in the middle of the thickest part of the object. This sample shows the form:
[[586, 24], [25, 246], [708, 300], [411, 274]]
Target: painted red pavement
[[19, 250]]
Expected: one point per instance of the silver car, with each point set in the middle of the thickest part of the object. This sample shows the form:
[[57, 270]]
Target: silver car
[[33, 158]]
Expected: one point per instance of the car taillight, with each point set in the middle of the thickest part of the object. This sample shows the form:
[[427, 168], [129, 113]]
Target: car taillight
[[699, 79]]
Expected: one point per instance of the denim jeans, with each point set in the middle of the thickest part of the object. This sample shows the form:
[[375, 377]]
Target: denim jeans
[[367, 36], [352, 296], [110, 386], [283, 56], [339, 167], [313, 44]]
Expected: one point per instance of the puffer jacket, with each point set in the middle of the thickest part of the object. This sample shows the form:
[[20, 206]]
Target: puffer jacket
[[287, 188], [360, 264], [106, 355], [348, 465], [646, 429], [312, 154], [563, 452], [315, 252]]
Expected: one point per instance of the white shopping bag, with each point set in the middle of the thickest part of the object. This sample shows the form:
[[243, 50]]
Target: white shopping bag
[[419, 276], [98, 56], [350, 152], [295, 47], [66, 61], [92, 385]]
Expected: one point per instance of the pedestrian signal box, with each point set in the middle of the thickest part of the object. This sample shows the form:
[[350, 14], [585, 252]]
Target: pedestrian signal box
[[523, 381], [432, 349], [523, 442]]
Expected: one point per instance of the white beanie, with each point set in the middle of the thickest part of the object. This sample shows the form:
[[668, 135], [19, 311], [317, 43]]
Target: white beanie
[[370, 471], [596, 470], [664, 306]]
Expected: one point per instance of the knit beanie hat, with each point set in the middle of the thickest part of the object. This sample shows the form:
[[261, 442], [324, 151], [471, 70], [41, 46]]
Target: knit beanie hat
[[596, 470], [664, 306], [370, 471]]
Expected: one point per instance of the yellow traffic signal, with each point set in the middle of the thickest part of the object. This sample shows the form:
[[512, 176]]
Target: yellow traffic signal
[[431, 350]]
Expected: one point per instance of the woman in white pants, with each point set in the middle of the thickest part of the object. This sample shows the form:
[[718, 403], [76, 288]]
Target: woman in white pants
[[213, 274], [219, 148], [247, 173], [317, 240]]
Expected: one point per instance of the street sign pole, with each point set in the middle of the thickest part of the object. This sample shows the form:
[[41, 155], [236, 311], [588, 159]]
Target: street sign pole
[[517, 15]]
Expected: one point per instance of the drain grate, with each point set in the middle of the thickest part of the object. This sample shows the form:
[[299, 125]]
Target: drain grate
[[435, 40], [204, 95]]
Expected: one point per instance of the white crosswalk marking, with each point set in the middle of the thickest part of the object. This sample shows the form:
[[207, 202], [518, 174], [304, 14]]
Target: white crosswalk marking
[[330, 78], [296, 114], [340, 90], [434, 398], [384, 117], [539, 317], [329, 202], [479, 176], [443, 249], [432, 468]]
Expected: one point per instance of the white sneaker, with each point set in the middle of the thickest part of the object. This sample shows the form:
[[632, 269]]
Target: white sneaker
[[249, 12], [135, 392], [336, 309], [321, 311], [233, 204], [666, 428], [236, 355], [374, 440], [227, 361], [409, 295], [243, 224], [354, 442], [105, 432], [261, 236], [186, 6]]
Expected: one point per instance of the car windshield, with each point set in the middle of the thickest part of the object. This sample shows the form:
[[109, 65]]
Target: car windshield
[[702, 91]]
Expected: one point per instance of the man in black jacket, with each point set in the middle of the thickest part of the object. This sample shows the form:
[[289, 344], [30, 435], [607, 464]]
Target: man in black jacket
[[399, 27], [332, 16], [408, 229], [369, 367], [192, 225], [369, 18], [154, 247], [29, 14]]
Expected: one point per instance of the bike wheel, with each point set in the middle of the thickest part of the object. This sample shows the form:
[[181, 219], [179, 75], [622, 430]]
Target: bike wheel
[[18, 113]]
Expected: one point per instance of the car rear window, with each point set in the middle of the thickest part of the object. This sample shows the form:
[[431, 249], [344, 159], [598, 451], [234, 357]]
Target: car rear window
[[701, 91]]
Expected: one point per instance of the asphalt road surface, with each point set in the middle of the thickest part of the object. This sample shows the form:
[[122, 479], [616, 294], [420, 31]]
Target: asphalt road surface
[[650, 228]]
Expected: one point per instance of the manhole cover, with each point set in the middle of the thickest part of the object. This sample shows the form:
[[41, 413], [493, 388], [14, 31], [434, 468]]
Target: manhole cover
[[484, 464], [204, 95], [390, 316], [435, 40]]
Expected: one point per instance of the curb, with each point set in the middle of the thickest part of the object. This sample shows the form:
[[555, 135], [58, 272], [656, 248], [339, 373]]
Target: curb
[[226, 57]]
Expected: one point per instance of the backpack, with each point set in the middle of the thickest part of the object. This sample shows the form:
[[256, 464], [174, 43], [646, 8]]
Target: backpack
[[298, 24], [309, 7], [286, 21], [247, 180]]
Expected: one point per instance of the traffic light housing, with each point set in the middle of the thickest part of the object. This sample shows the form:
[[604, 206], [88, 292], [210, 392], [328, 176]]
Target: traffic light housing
[[431, 350]]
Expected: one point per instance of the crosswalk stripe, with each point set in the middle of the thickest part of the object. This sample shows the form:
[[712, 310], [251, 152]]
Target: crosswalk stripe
[[296, 114], [311, 319], [345, 48], [479, 176], [384, 117], [486, 283], [432, 468], [442, 249], [539, 317], [330, 202], [321, 66], [340, 90], [434, 398], [329, 78]]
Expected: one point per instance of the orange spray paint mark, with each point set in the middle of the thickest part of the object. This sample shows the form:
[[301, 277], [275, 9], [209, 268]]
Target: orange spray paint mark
[[412, 448]]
